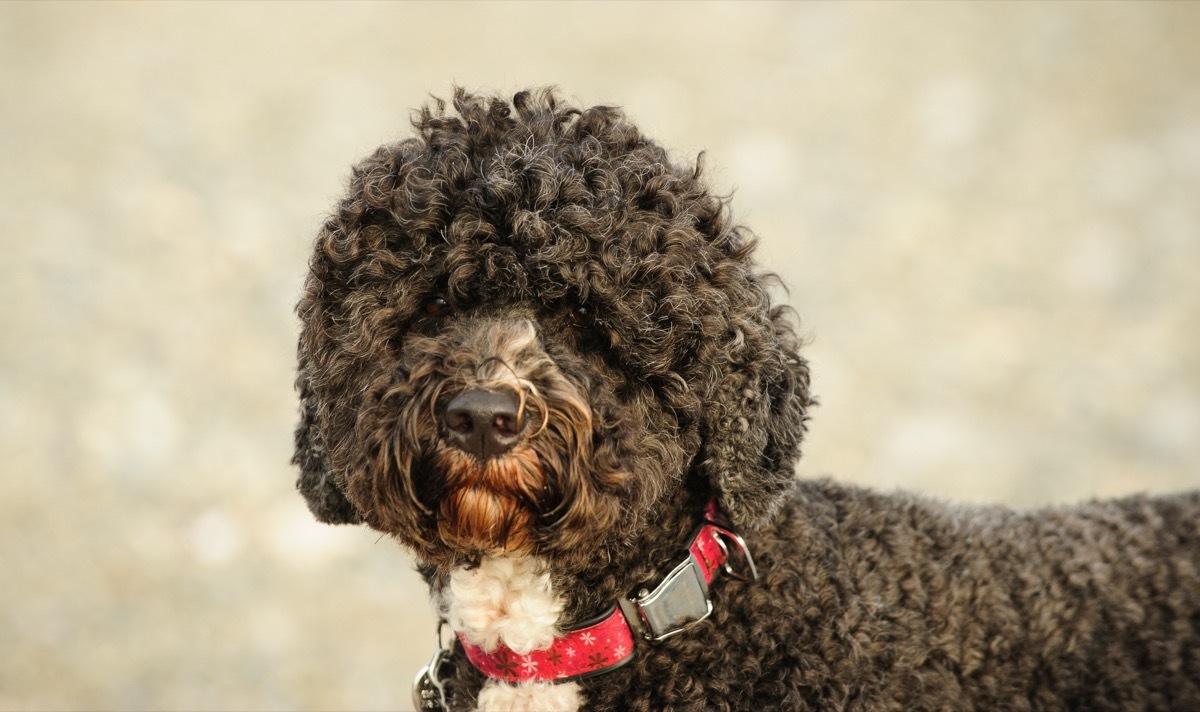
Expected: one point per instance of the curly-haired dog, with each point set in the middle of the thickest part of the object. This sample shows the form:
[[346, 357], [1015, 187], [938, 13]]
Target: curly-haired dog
[[537, 352]]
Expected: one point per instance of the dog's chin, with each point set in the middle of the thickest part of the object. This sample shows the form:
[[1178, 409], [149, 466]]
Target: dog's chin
[[481, 520], [490, 506]]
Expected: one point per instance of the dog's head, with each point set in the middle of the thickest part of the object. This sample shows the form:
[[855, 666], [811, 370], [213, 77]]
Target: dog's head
[[526, 327]]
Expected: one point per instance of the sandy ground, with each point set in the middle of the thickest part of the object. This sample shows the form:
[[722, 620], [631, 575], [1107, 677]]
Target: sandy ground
[[988, 216]]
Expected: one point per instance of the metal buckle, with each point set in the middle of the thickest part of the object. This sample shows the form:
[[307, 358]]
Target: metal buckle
[[680, 601]]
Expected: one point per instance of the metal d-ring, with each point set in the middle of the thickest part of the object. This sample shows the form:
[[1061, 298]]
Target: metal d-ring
[[741, 546]]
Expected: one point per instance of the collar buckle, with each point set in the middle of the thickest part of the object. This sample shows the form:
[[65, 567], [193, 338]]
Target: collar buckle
[[678, 602]]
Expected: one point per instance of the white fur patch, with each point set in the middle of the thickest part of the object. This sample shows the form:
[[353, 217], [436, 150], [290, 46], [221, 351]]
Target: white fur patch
[[529, 697], [506, 599], [509, 600]]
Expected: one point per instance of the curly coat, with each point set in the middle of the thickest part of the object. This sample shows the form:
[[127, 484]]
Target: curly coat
[[533, 246]]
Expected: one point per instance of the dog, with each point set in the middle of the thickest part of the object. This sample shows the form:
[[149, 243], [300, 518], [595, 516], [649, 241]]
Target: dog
[[538, 353]]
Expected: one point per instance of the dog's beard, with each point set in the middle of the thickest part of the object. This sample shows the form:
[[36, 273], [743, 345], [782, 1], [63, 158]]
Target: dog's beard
[[493, 504], [549, 495], [439, 499]]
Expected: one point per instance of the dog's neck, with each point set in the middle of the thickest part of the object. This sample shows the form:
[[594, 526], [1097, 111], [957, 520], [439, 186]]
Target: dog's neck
[[625, 558], [520, 600], [508, 600], [524, 602]]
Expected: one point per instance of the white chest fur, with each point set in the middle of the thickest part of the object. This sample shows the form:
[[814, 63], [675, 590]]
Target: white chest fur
[[509, 600]]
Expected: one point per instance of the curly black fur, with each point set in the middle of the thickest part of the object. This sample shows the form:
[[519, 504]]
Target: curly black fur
[[662, 375]]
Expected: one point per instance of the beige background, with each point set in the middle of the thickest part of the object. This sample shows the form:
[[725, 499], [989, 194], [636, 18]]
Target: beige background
[[989, 216]]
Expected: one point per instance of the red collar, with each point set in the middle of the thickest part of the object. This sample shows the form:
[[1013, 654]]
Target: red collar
[[652, 613]]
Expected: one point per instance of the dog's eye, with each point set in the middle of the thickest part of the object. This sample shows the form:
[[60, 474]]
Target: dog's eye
[[578, 317], [436, 306]]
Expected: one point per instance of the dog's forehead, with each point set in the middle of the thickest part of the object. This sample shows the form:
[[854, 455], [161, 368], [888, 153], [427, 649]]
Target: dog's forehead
[[491, 267]]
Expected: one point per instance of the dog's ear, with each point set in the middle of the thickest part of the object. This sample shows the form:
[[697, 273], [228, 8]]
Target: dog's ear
[[317, 481], [756, 416]]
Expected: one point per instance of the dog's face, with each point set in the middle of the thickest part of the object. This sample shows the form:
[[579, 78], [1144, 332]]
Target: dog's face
[[491, 430], [521, 332]]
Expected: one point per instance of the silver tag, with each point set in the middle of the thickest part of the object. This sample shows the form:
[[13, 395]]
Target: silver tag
[[429, 692]]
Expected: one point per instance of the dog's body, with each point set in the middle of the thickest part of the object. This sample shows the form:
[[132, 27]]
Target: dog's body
[[535, 350]]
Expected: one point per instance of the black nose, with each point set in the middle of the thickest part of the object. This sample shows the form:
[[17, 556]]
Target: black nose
[[483, 423]]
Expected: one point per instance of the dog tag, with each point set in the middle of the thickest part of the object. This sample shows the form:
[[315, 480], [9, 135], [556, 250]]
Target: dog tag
[[428, 695], [429, 692]]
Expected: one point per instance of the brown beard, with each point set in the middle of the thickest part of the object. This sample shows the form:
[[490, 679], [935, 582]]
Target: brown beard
[[492, 504]]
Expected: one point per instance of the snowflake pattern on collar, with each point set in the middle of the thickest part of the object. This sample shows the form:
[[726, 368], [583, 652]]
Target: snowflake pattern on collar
[[609, 643]]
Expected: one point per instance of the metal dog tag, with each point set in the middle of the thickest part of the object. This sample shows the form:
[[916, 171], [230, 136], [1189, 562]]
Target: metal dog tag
[[429, 692]]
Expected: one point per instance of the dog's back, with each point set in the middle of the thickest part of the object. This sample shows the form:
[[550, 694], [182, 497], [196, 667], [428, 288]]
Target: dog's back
[[876, 602]]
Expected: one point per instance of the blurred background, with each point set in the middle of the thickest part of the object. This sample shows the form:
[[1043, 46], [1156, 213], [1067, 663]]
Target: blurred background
[[988, 215]]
